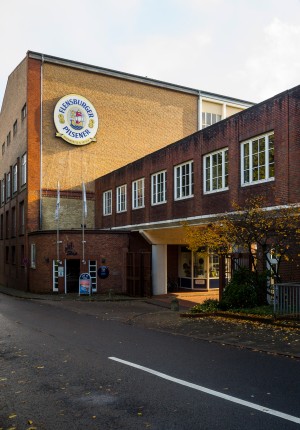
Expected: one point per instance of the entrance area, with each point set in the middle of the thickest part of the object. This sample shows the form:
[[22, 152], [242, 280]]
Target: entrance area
[[72, 275]]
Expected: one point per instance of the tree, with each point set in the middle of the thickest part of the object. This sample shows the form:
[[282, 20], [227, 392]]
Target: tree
[[266, 234]]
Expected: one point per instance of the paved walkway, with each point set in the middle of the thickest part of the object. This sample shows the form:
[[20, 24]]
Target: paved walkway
[[156, 314]]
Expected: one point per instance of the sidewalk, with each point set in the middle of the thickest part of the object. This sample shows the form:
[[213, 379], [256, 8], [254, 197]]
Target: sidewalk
[[155, 313]]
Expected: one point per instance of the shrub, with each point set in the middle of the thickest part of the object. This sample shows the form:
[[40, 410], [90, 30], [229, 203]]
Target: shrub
[[209, 305], [241, 291]]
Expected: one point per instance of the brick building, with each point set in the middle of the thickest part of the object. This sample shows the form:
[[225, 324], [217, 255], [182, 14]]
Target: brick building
[[197, 179], [65, 123]]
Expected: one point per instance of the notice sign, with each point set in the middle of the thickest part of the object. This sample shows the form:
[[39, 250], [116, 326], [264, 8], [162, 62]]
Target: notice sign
[[85, 284]]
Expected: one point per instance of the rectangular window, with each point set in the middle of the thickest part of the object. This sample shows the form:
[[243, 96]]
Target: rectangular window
[[8, 186], [138, 194], [107, 202], [13, 254], [21, 218], [23, 169], [3, 148], [7, 224], [13, 222], [184, 180], [2, 191], [257, 159], [7, 254], [210, 118], [24, 112], [22, 255], [93, 274], [159, 188], [33, 256], [55, 275], [122, 198], [8, 139], [215, 168], [1, 226], [15, 127], [15, 178]]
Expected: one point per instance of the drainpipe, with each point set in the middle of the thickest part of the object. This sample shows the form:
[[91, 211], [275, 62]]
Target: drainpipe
[[41, 144], [199, 111]]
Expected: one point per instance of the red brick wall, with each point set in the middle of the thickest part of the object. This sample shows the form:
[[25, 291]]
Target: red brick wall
[[110, 246], [280, 113]]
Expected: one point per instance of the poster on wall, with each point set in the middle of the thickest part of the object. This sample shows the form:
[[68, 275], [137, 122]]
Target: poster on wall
[[76, 120], [84, 284]]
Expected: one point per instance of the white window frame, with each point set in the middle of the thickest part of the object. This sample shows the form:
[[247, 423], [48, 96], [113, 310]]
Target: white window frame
[[107, 202], [93, 274], [138, 193], [209, 118], [267, 150], [209, 172], [121, 197], [15, 178], [184, 182], [24, 169], [159, 188], [55, 275]]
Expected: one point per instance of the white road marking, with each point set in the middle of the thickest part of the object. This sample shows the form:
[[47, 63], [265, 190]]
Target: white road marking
[[211, 392]]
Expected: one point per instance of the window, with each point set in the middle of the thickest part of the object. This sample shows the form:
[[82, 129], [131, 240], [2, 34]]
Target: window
[[215, 168], [24, 112], [210, 118], [21, 218], [2, 191], [184, 180], [13, 221], [1, 226], [15, 127], [3, 148], [13, 254], [8, 186], [138, 194], [257, 159], [6, 224], [93, 274], [32, 256], [15, 178], [7, 254], [158, 188], [107, 202], [8, 139], [23, 169], [55, 275], [121, 198]]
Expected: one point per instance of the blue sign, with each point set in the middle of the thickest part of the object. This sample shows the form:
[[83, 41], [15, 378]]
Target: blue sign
[[103, 272]]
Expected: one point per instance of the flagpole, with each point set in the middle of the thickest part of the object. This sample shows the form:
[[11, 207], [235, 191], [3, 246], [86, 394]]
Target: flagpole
[[84, 214], [57, 213]]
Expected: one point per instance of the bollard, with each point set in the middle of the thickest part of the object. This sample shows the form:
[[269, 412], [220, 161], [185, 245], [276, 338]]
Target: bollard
[[175, 304], [110, 294]]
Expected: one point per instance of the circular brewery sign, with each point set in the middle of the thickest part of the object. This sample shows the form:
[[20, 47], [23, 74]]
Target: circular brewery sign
[[76, 120]]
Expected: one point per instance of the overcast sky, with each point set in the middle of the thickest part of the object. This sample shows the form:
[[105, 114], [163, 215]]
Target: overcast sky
[[248, 49]]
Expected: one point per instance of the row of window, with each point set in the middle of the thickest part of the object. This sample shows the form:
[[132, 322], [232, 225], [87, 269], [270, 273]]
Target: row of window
[[210, 119], [257, 165], [15, 128], [11, 256], [9, 228], [9, 184]]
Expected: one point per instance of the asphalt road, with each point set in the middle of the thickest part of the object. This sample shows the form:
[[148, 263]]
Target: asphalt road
[[63, 367]]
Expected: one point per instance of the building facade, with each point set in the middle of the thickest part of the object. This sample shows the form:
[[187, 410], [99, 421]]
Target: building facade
[[65, 123], [198, 179]]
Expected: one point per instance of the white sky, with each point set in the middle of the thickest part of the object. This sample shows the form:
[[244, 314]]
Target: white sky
[[248, 49]]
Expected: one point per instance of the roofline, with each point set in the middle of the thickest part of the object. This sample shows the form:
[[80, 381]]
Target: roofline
[[130, 77]]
